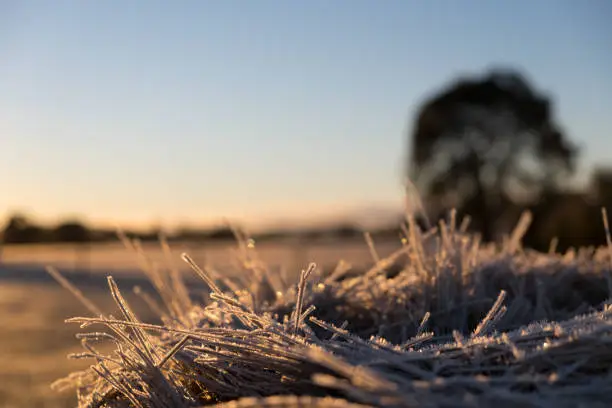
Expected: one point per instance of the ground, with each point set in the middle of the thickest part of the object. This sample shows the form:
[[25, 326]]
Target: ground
[[35, 342]]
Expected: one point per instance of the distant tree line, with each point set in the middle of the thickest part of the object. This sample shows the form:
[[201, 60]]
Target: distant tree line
[[19, 229]]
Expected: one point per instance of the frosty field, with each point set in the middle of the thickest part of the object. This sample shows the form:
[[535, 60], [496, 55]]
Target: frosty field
[[35, 342], [436, 320]]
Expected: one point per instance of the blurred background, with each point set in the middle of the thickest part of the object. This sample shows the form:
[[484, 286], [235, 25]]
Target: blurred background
[[302, 124]]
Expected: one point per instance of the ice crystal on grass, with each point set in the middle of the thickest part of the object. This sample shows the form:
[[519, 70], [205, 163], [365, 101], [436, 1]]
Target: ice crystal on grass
[[443, 322]]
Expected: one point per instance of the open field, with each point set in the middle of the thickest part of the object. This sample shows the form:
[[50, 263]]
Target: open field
[[116, 259]]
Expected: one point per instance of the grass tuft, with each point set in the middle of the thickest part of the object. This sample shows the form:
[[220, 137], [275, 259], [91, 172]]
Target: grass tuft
[[443, 322]]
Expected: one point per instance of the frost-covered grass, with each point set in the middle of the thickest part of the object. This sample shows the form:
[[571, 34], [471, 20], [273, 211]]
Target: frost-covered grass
[[443, 322]]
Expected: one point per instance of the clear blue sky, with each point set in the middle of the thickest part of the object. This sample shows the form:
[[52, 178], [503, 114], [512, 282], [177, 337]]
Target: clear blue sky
[[160, 111]]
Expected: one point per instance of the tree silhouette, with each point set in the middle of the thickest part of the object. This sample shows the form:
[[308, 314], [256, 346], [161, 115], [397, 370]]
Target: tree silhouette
[[19, 230], [71, 231], [485, 143]]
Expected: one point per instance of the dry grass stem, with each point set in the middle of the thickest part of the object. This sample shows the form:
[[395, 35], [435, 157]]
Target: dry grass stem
[[443, 322]]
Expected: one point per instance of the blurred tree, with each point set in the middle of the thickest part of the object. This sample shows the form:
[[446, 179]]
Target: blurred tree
[[222, 233], [71, 231], [344, 231], [13, 230], [19, 230], [602, 186], [483, 144]]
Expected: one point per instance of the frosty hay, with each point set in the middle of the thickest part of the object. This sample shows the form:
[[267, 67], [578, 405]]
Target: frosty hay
[[443, 322]]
